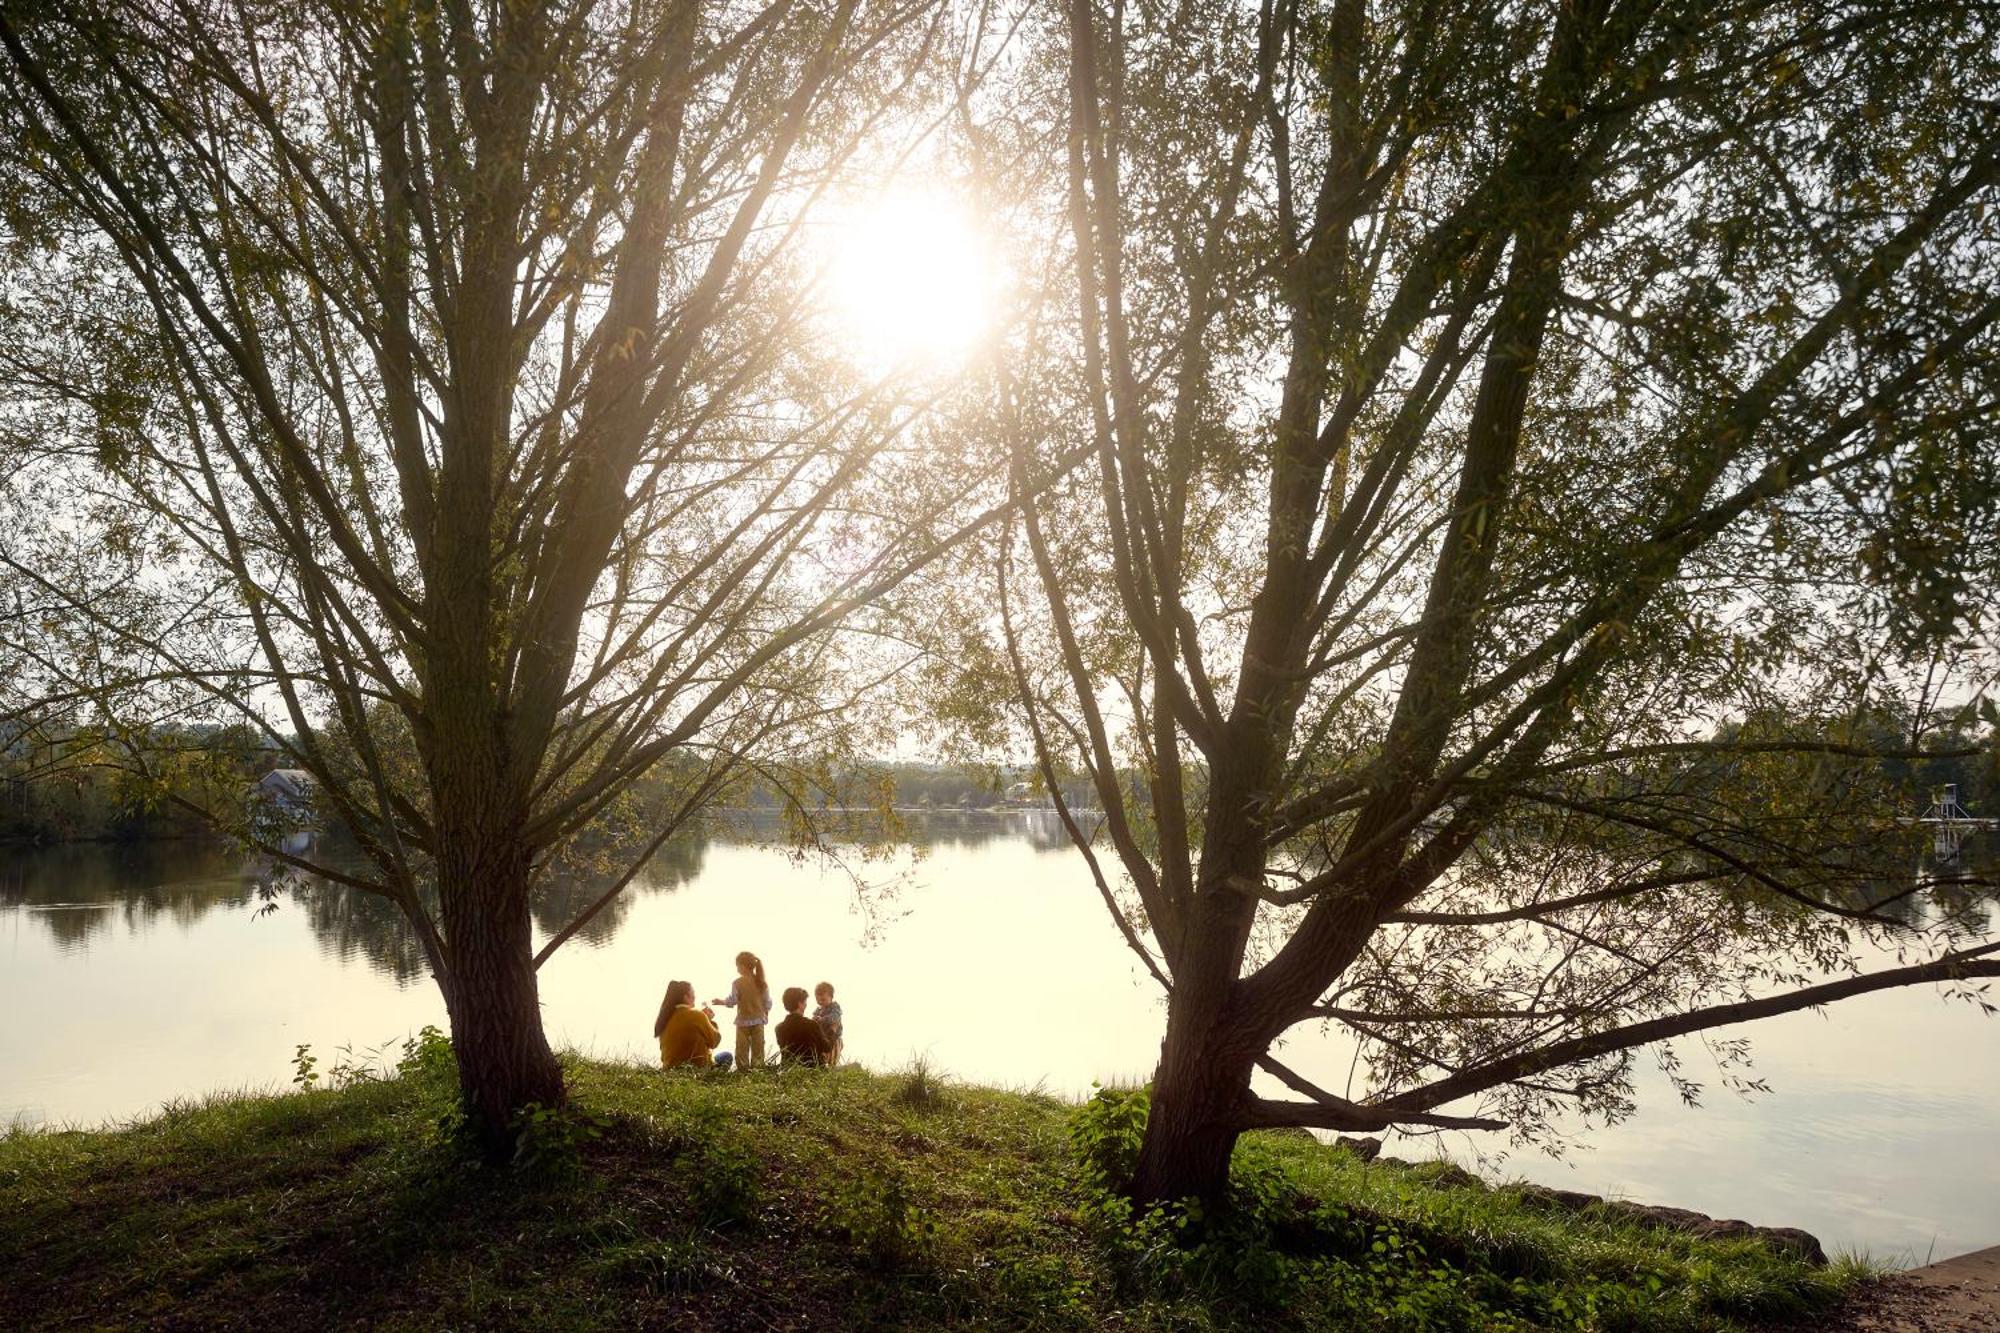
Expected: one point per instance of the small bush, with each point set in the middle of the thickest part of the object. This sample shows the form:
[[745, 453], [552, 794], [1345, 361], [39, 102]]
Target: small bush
[[549, 1140], [427, 1057], [1106, 1132], [922, 1088], [724, 1182], [873, 1210]]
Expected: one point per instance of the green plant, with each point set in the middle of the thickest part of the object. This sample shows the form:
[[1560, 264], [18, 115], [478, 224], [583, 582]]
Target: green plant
[[1105, 1133], [1305, 1241], [724, 1182], [922, 1088], [353, 1067], [428, 1055], [674, 1266], [549, 1140], [304, 1066], [1271, 1245], [873, 1210]]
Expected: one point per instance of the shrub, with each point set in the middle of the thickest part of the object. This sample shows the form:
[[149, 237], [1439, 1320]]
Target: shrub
[[724, 1182], [428, 1057], [922, 1088], [549, 1140], [1106, 1132], [873, 1210]]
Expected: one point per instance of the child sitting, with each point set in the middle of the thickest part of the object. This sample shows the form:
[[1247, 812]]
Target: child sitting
[[800, 1040], [827, 1015]]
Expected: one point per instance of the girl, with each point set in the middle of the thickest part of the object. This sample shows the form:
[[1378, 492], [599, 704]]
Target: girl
[[686, 1034], [750, 996]]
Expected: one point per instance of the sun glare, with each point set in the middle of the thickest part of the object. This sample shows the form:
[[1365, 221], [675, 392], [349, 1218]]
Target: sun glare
[[911, 283]]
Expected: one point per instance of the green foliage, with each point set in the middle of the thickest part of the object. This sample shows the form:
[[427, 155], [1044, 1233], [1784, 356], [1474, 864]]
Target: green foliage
[[723, 1180], [1428, 1247], [674, 1266], [1106, 1132], [427, 1056], [922, 1088], [123, 784], [872, 1210], [428, 1069], [549, 1141], [817, 1201]]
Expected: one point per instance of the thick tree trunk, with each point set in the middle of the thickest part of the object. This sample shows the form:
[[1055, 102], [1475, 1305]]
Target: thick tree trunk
[[1196, 1111], [504, 1060], [1203, 1078]]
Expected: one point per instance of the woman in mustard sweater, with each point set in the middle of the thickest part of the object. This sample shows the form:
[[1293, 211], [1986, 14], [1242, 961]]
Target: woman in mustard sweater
[[686, 1034]]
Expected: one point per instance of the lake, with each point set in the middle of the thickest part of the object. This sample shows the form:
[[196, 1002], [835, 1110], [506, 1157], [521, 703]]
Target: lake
[[133, 976]]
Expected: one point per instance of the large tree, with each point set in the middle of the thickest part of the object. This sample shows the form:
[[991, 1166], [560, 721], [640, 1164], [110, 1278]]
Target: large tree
[[1534, 444], [426, 385]]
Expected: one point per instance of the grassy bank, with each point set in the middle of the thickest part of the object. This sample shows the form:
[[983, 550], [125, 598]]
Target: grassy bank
[[799, 1200]]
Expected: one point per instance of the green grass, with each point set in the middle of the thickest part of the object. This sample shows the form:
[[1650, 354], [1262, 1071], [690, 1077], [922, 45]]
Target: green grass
[[805, 1199]]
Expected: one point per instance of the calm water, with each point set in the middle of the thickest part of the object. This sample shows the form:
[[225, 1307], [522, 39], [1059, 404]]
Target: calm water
[[128, 977]]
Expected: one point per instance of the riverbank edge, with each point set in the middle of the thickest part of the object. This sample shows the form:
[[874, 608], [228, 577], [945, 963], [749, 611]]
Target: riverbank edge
[[802, 1199]]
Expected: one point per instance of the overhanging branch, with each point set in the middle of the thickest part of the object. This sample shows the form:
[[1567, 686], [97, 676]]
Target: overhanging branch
[[1327, 1111], [1961, 966]]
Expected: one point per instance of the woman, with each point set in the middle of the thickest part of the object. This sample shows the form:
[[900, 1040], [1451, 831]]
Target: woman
[[686, 1034]]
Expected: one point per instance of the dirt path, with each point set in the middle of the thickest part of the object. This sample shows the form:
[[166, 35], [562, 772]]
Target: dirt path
[[1960, 1295]]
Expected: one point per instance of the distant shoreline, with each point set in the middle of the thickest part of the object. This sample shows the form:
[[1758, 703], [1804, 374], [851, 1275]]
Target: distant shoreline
[[140, 839]]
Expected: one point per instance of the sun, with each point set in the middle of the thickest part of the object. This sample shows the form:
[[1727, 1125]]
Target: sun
[[911, 282]]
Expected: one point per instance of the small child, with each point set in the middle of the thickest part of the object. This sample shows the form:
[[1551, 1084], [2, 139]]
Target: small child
[[800, 1040], [750, 996], [827, 1015]]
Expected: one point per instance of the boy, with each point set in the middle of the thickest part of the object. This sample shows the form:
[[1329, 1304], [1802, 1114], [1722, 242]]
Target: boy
[[800, 1040], [828, 1018]]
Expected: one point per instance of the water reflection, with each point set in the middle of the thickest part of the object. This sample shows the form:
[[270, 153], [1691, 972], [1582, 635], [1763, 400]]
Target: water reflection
[[133, 975], [568, 892], [77, 891]]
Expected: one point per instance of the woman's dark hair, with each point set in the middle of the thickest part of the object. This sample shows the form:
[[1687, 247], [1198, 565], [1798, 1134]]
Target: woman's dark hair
[[678, 993], [795, 997]]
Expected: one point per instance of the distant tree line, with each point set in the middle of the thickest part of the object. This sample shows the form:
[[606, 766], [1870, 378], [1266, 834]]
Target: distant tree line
[[83, 785], [919, 786]]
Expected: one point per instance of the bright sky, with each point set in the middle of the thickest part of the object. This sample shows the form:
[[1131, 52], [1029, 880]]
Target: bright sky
[[912, 281]]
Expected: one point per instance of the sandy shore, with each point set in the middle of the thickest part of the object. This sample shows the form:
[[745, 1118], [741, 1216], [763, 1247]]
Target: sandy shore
[[1960, 1295]]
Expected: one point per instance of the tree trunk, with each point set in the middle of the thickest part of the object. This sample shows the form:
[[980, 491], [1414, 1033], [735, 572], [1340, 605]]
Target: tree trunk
[[1196, 1111], [1199, 1089], [504, 1060]]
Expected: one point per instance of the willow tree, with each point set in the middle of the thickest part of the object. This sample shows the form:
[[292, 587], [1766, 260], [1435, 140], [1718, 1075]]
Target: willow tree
[[1528, 439], [426, 385]]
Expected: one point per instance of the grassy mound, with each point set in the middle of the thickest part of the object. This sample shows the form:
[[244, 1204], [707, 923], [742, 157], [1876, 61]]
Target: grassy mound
[[800, 1200]]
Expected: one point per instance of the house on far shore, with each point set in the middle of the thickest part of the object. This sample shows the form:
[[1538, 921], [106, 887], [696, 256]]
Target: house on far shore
[[289, 790]]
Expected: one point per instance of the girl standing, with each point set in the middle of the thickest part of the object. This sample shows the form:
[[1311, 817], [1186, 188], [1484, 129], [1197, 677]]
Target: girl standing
[[750, 996]]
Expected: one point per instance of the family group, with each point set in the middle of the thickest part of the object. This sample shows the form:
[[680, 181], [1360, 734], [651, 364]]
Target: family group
[[687, 1034]]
